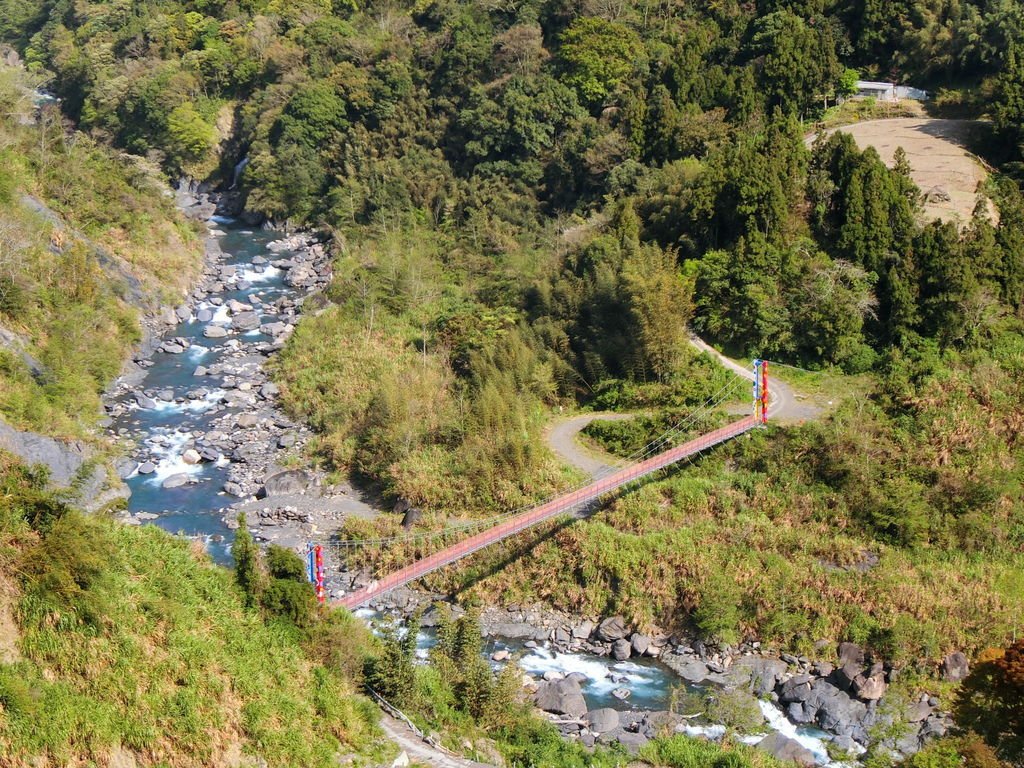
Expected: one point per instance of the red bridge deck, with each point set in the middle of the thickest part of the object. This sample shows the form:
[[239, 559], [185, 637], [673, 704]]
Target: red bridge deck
[[557, 506]]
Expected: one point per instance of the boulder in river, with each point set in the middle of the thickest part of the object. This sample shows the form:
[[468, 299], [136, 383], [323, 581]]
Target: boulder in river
[[245, 321], [691, 670], [215, 332], [621, 649], [191, 456], [144, 401], [640, 644], [175, 481], [611, 629], [786, 749], [561, 697]]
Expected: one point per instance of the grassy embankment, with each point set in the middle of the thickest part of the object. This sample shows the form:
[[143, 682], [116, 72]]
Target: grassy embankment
[[127, 641], [75, 271]]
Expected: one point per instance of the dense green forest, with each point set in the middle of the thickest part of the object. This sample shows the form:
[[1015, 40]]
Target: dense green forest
[[532, 202]]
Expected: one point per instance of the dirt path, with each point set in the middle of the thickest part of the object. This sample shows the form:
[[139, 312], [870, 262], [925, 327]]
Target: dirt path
[[783, 405], [563, 441], [936, 150], [419, 752]]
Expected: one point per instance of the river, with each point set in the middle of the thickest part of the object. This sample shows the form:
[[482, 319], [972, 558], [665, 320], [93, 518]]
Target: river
[[169, 409]]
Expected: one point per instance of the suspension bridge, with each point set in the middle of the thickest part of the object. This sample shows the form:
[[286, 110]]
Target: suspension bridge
[[651, 458]]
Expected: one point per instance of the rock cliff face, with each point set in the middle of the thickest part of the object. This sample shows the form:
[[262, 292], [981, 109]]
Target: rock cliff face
[[69, 464]]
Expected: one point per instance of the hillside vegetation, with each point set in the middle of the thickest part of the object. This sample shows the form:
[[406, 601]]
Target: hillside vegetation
[[126, 643], [532, 202], [88, 240]]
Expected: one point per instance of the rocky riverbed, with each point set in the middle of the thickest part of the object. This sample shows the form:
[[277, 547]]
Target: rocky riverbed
[[204, 435], [811, 711]]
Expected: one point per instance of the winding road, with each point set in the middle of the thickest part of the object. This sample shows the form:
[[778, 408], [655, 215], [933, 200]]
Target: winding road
[[562, 438]]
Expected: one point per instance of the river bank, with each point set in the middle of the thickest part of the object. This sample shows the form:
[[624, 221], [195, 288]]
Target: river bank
[[593, 677]]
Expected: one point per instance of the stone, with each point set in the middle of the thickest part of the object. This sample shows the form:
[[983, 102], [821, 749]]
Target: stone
[[245, 321], [215, 332], [823, 668], [147, 468], [786, 749], [579, 677], [402, 761], [621, 649], [795, 689], [561, 697], [286, 482], [191, 456], [582, 631], [640, 644], [233, 489], [274, 329], [870, 688], [411, 517], [758, 674], [269, 390], [633, 742], [167, 395], [172, 348], [201, 370], [502, 655], [834, 708], [850, 653], [918, 712], [287, 440], [247, 420], [183, 313], [204, 315], [934, 728], [144, 401], [843, 677], [955, 667], [622, 693], [611, 629], [602, 720], [175, 481], [691, 670], [553, 674]]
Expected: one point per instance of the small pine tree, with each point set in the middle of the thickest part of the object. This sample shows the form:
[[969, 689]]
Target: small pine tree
[[248, 566], [392, 673]]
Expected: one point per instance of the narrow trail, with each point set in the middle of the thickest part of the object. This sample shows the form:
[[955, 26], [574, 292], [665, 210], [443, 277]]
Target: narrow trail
[[784, 405], [562, 439], [419, 752]]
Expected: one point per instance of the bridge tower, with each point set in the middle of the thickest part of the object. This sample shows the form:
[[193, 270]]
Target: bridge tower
[[761, 391]]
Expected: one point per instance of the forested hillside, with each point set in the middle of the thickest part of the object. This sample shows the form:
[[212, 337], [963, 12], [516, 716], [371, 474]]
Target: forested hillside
[[533, 202]]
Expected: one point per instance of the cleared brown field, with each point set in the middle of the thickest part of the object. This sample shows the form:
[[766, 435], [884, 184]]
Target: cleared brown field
[[939, 161]]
